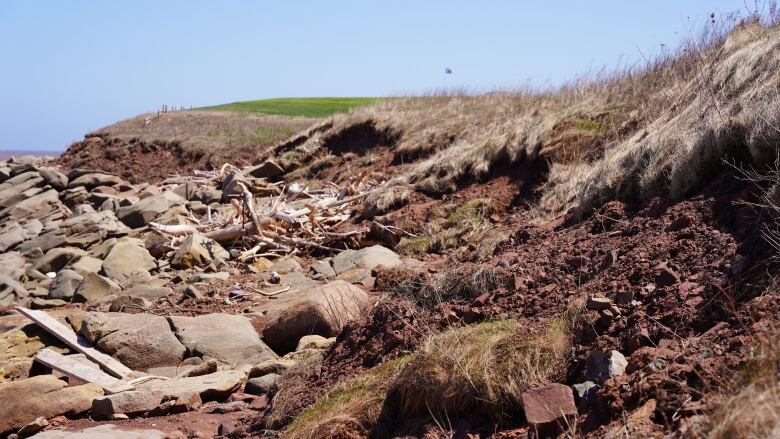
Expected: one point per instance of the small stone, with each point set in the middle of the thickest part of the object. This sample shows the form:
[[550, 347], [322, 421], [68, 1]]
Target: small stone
[[131, 402], [655, 365], [602, 366], [624, 297], [314, 342], [228, 407], [187, 402], [598, 303], [666, 277], [129, 304], [225, 428], [606, 317], [191, 293], [241, 396], [268, 169], [40, 303], [161, 410], [260, 403], [549, 409], [203, 368], [33, 427], [609, 260], [270, 366], [264, 384], [586, 394]]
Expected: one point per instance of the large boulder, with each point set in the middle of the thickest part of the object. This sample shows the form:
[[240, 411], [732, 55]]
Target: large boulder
[[94, 180], [139, 341], [12, 265], [216, 386], [11, 235], [356, 265], [54, 178], [366, 258], [64, 285], [57, 258], [227, 338], [140, 213], [11, 291], [45, 241], [125, 257], [130, 403], [22, 401], [322, 311], [268, 169], [197, 250], [94, 287], [104, 223]]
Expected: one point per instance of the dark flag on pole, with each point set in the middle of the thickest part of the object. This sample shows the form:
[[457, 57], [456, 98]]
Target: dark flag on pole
[[447, 71]]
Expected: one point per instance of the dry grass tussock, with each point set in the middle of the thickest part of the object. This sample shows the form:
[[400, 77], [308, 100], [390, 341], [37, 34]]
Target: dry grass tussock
[[210, 132], [482, 369], [753, 411], [729, 110], [454, 285], [630, 134], [351, 409]]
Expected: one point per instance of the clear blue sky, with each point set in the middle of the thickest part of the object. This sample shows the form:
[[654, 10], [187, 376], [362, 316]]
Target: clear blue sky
[[68, 67]]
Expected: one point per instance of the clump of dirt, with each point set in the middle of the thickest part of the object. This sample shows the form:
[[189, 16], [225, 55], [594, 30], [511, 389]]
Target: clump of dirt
[[134, 160]]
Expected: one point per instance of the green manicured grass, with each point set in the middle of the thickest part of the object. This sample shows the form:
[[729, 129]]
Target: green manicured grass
[[306, 107]]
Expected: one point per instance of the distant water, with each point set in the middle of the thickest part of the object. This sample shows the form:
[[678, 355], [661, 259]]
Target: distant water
[[7, 154]]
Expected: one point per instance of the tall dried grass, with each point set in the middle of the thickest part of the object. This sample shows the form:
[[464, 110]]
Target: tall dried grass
[[216, 133], [661, 128], [753, 411], [482, 369]]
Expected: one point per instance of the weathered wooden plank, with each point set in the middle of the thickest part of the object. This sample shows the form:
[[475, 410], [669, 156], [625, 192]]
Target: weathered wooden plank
[[77, 342], [81, 372]]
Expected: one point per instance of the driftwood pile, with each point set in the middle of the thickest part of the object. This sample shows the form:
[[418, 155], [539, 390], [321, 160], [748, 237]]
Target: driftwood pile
[[295, 219]]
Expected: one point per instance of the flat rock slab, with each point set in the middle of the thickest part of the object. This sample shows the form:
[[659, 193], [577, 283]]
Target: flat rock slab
[[549, 409], [106, 431], [126, 257], [130, 403], [229, 339], [22, 401], [217, 386], [366, 258], [139, 341], [140, 213]]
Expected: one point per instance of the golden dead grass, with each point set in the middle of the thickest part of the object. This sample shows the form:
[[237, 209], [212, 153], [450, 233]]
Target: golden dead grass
[[728, 110], [351, 409], [753, 411], [663, 129], [220, 134], [482, 369]]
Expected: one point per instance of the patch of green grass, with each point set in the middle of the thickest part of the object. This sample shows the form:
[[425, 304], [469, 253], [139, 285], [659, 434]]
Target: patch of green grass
[[305, 107], [470, 213], [262, 135], [590, 125], [417, 245]]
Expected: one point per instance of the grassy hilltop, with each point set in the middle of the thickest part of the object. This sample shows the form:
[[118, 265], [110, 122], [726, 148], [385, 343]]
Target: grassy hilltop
[[296, 107]]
